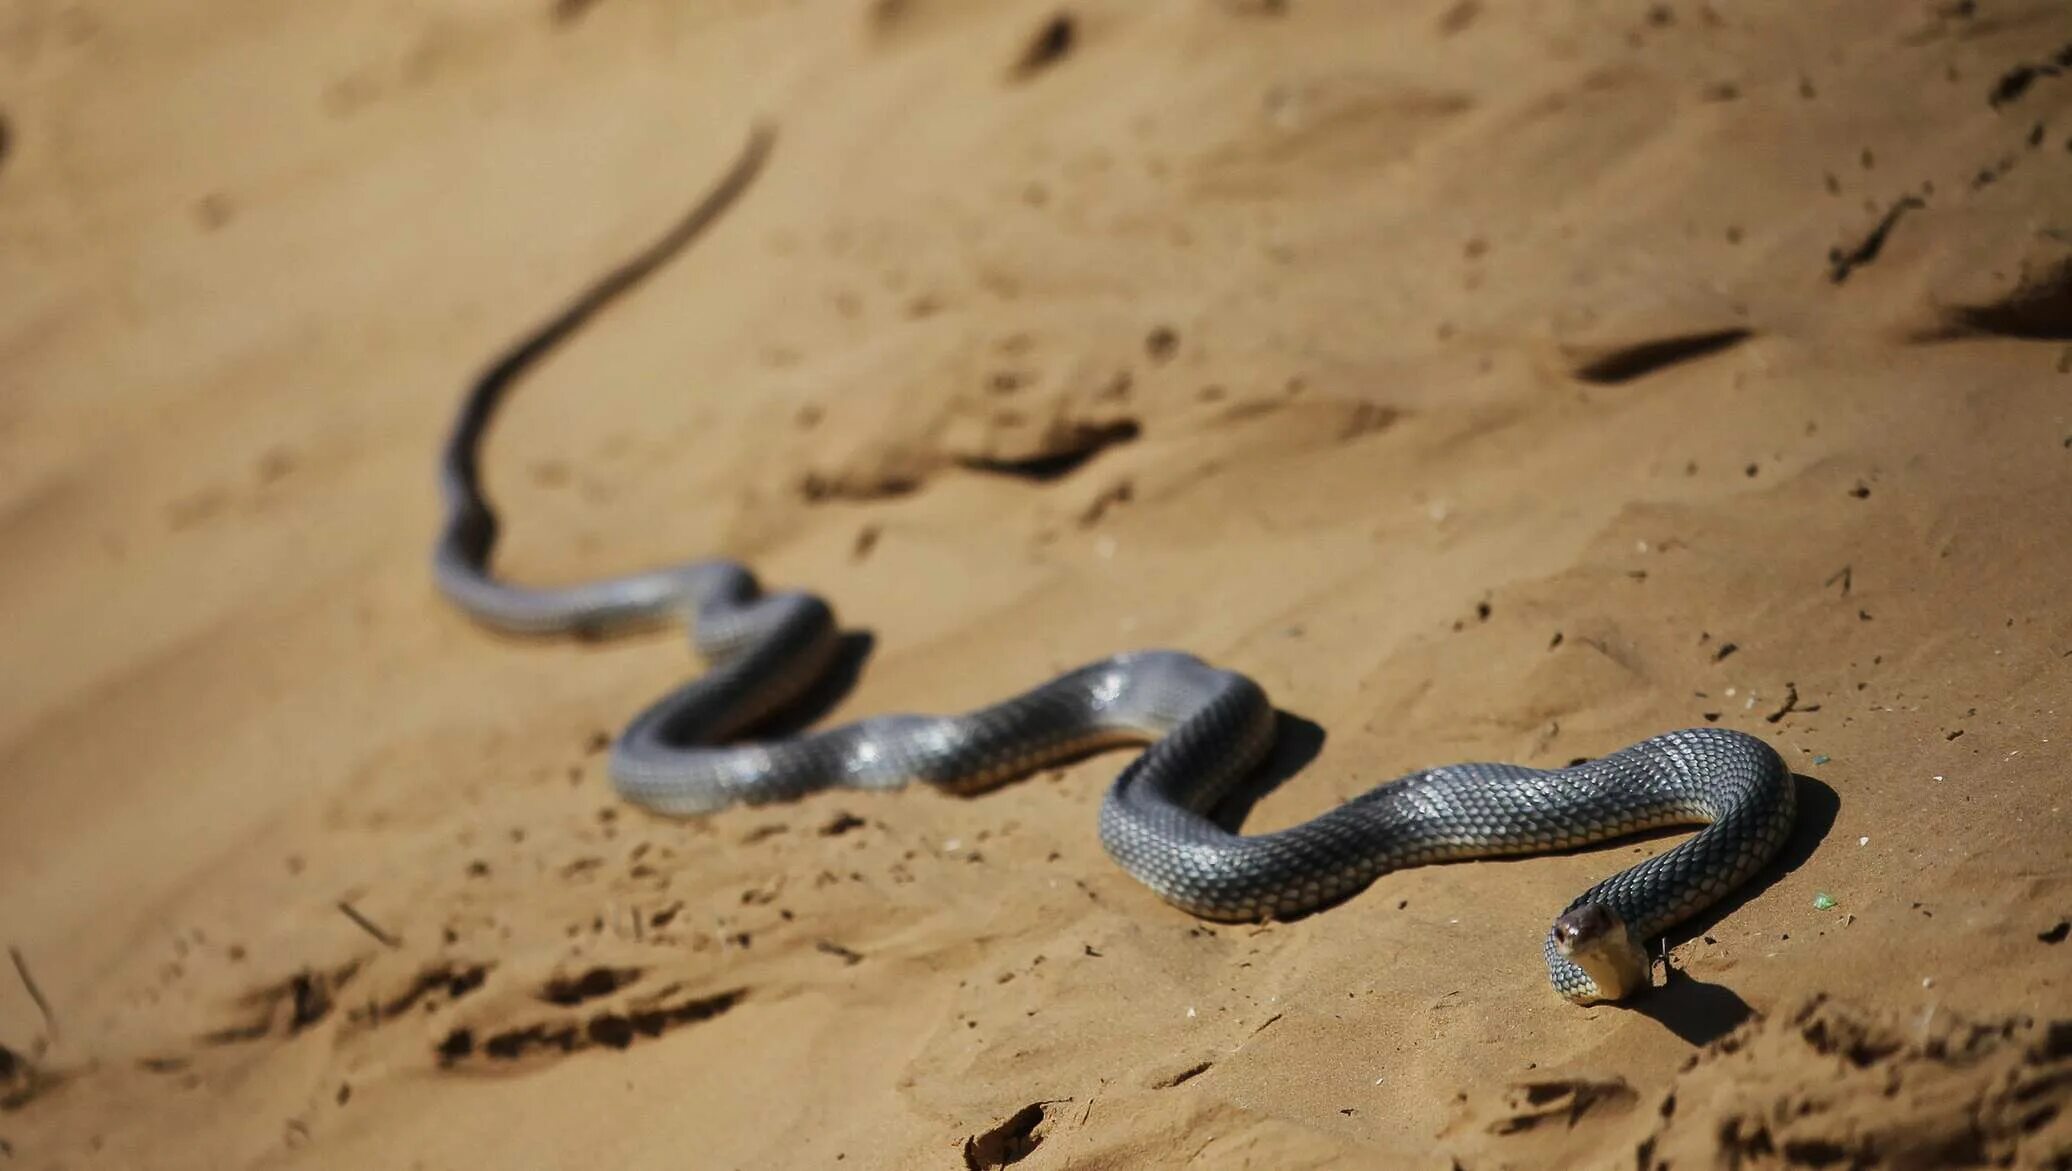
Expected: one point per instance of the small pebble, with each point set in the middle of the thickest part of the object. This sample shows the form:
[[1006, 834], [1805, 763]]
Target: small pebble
[[1823, 759], [1927, 981], [1823, 902], [1863, 841]]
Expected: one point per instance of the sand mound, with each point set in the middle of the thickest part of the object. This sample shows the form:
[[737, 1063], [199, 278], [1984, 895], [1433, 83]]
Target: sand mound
[[1820, 1084]]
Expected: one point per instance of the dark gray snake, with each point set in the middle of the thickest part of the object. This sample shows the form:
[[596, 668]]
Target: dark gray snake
[[1206, 728]]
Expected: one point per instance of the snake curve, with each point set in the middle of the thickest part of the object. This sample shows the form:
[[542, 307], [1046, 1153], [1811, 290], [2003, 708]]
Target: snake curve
[[1206, 728]]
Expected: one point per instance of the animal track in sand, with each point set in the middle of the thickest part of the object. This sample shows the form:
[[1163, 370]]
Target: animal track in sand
[[591, 985], [21, 1081], [286, 1007], [1625, 363], [2038, 307], [1065, 452], [617, 1024], [1051, 43], [454, 980], [1065, 447], [1007, 1142], [1562, 1100], [1181, 1076], [307, 998]]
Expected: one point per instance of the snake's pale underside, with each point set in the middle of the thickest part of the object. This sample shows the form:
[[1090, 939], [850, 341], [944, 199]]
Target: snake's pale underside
[[1206, 729]]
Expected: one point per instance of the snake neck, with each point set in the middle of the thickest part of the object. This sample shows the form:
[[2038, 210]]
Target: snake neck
[[1617, 968]]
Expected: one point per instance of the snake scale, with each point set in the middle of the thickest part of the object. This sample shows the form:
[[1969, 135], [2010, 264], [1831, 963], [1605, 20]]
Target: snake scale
[[1205, 729]]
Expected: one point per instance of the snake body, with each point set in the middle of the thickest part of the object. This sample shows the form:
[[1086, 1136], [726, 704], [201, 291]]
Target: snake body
[[1206, 729]]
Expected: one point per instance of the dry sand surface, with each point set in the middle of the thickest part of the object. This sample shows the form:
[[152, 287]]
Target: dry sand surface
[[1489, 379]]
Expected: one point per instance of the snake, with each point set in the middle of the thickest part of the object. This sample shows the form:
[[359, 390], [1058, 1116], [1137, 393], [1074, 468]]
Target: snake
[[1203, 729]]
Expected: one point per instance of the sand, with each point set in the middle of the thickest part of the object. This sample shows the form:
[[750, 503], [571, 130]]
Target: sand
[[1490, 380]]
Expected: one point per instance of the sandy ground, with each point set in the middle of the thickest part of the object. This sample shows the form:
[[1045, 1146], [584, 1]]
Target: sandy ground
[[1489, 379]]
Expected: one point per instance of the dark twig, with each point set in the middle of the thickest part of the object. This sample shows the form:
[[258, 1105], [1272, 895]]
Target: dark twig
[[1841, 263], [368, 925], [1791, 704], [21, 968], [832, 948]]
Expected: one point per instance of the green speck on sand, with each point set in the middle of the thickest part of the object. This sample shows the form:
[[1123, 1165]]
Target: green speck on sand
[[1823, 902], [1821, 759]]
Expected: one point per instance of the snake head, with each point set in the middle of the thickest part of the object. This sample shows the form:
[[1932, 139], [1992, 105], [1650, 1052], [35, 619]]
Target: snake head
[[1596, 939]]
